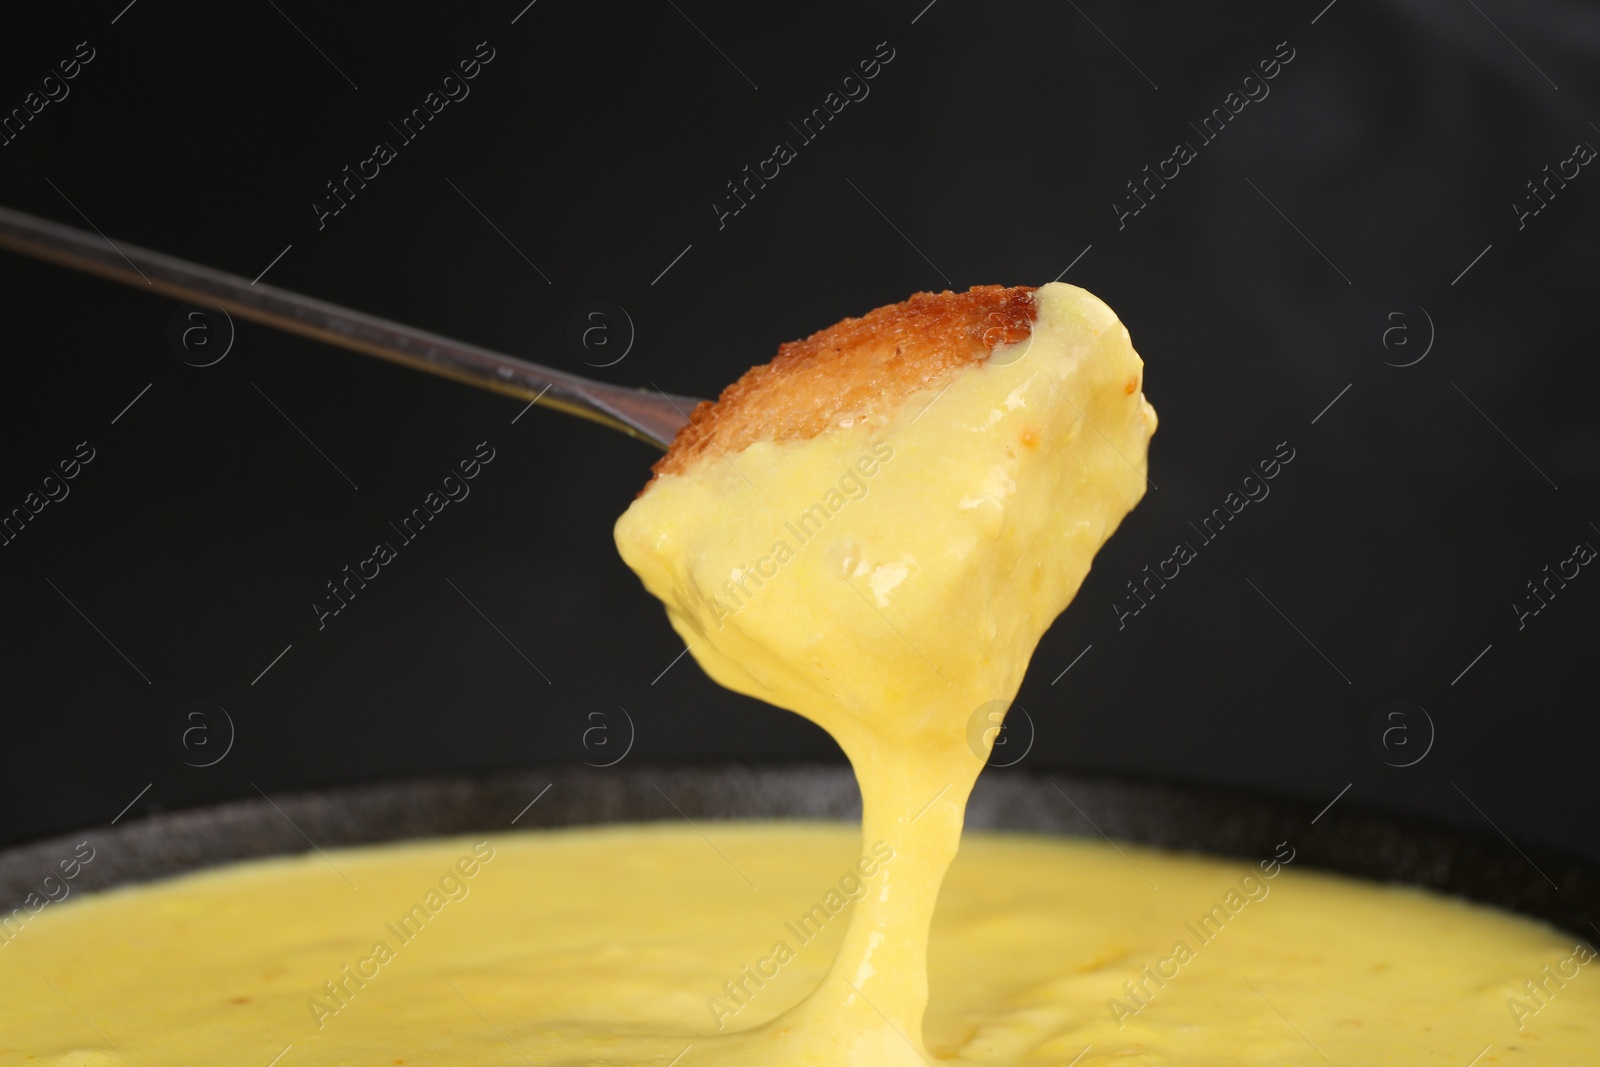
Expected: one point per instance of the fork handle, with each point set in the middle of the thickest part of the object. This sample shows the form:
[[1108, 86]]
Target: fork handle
[[653, 417]]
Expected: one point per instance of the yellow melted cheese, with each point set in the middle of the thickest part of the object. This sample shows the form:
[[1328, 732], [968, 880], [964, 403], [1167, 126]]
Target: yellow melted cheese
[[889, 579], [605, 947]]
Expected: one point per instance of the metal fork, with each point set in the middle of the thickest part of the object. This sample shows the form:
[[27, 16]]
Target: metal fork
[[650, 416]]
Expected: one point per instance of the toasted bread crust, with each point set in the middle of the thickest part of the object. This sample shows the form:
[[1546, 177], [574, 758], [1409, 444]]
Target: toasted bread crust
[[857, 367]]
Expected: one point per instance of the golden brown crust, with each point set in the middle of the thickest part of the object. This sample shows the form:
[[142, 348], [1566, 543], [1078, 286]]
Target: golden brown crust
[[863, 366]]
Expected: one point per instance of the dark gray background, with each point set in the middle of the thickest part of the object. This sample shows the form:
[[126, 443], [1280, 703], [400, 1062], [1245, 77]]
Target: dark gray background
[[1257, 286]]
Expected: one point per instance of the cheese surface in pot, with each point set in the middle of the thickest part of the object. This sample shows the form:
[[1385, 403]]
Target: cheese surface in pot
[[638, 945]]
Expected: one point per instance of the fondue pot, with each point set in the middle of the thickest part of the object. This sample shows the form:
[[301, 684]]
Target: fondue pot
[[1343, 838]]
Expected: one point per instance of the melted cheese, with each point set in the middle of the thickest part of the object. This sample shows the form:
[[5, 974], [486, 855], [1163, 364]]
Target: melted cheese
[[619, 945], [889, 579]]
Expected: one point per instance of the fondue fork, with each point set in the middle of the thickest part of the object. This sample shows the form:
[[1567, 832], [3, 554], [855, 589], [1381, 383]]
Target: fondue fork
[[650, 416]]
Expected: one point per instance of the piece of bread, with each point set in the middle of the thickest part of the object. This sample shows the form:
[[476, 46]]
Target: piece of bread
[[855, 367], [875, 529]]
